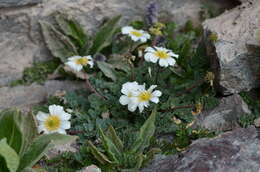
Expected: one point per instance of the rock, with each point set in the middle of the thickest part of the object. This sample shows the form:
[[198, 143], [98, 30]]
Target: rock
[[24, 97], [236, 151], [16, 3], [225, 116], [57, 150], [257, 122], [21, 40], [236, 67]]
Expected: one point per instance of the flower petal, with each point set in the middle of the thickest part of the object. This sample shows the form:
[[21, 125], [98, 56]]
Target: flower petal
[[157, 93], [155, 100], [124, 100], [163, 63], [65, 125], [55, 109], [41, 116], [171, 61], [127, 29]]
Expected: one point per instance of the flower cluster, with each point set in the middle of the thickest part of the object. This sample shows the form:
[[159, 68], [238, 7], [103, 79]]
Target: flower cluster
[[77, 62], [56, 121], [136, 96]]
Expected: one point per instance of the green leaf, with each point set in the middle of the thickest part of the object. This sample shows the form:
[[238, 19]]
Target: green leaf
[[27, 125], [145, 134], [120, 63], [111, 133], [72, 28], [10, 130], [59, 45], [107, 69], [110, 147], [104, 36], [10, 156], [40, 145], [98, 155]]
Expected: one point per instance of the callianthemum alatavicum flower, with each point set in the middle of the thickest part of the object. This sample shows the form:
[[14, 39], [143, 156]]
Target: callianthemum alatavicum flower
[[136, 96], [136, 35], [77, 62], [56, 121], [163, 55], [145, 96], [129, 91]]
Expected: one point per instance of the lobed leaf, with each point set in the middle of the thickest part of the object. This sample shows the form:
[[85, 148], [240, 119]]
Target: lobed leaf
[[98, 155], [107, 69], [145, 134], [113, 152], [59, 45], [40, 145], [72, 28], [111, 133]]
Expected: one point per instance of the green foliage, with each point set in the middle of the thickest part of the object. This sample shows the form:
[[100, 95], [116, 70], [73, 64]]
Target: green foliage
[[120, 158], [21, 147], [183, 87], [37, 73], [67, 38], [10, 156], [254, 104]]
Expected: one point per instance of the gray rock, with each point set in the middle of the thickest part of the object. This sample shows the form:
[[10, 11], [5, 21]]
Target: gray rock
[[16, 3], [225, 116], [24, 97], [21, 41], [236, 66], [236, 151]]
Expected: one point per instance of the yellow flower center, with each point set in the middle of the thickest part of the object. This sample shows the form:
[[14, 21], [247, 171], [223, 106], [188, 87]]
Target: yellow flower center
[[81, 61], [130, 95], [144, 96], [136, 33], [161, 54], [52, 123]]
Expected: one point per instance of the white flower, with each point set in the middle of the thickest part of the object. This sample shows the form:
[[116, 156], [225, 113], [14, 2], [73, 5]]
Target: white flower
[[91, 168], [57, 120], [136, 35], [129, 91], [77, 62], [164, 56], [145, 96], [136, 95]]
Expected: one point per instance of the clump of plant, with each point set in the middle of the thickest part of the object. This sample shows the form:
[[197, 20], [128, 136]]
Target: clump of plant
[[128, 72], [37, 73], [119, 157], [20, 144]]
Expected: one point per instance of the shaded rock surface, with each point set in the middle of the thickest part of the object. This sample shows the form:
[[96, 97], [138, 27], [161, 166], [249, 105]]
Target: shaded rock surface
[[225, 116], [236, 66], [21, 41], [25, 96], [236, 151], [15, 3]]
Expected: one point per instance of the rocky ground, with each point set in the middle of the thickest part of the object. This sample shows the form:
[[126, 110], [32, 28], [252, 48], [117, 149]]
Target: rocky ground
[[234, 55]]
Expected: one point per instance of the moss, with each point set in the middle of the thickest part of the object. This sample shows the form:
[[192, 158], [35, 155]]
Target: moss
[[37, 73], [253, 102]]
